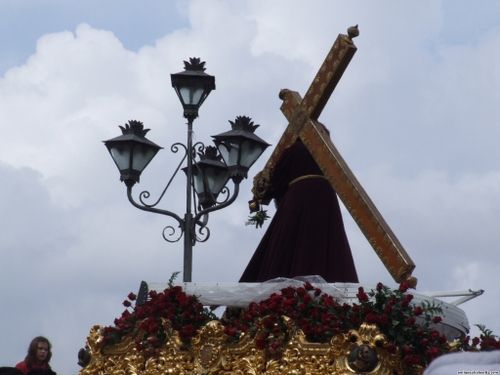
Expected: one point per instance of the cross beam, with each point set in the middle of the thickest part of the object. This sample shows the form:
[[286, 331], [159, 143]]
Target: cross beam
[[302, 115]]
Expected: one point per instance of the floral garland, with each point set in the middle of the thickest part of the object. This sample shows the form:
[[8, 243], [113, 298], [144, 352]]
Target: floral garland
[[321, 317], [154, 322], [407, 326]]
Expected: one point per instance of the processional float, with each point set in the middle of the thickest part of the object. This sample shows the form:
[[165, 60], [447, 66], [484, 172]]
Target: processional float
[[299, 326]]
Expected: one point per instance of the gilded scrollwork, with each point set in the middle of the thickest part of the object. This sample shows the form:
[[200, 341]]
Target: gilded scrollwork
[[211, 354]]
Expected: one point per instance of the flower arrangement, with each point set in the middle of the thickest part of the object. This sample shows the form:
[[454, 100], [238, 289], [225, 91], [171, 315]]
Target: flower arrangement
[[321, 317], [273, 321], [154, 322], [486, 341]]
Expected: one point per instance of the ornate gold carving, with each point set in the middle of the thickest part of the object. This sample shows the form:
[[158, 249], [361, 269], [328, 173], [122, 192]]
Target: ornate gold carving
[[209, 354]]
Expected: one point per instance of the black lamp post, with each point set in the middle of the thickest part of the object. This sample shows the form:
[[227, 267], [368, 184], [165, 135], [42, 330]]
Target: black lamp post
[[239, 148]]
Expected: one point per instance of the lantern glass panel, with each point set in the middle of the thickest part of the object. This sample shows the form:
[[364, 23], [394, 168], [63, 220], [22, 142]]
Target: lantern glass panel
[[230, 152], [250, 152], [216, 179], [191, 95], [142, 156], [121, 155]]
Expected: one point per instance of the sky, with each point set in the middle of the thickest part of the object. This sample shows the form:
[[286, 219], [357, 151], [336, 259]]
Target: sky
[[415, 116]]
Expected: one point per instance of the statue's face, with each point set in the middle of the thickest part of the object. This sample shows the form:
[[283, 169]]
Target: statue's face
[[364, 354]]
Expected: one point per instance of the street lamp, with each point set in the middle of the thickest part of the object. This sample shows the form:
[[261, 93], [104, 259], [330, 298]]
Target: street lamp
[[235, 152]]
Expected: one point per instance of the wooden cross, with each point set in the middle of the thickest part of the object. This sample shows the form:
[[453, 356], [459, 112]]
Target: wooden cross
[[302, 115]]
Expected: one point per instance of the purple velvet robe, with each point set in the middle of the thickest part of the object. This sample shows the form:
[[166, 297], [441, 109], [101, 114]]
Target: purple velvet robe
[[306, 235]]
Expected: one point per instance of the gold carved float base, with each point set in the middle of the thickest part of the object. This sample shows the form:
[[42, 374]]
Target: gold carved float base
[[357, 352]]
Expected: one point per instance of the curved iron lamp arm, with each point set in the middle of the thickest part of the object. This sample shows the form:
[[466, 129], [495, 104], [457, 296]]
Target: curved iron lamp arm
[[153, 209], [216, 207]]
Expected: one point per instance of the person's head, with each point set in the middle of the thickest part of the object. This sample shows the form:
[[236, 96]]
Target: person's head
[[364, 353], [39, 351]]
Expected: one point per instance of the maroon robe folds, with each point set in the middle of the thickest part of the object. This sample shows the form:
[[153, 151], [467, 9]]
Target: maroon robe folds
[[306, 235]]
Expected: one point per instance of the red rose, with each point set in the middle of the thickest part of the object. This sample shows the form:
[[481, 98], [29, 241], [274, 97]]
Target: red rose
[[388, 309], [437, 319], [267, 323], [384, 320], [153, 327], [434, 334], [275, 345], [391, 348], [308, 329], [307, 299], [301, 292], [372, 318], [418, 311], [379, 286], [261, 343], [308, 286], [152, 340], [410, 321], [132, 296], [404, 286], [425, 342], [190, 329], [317, 292], [127, 303], [326, 318], [248, 317], [362, 296]]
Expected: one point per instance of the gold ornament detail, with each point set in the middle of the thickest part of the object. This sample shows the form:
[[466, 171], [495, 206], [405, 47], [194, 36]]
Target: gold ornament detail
[[363, 351]]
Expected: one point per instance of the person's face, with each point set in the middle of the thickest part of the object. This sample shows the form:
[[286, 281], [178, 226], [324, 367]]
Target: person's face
[[42, 351], [365, 354]]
